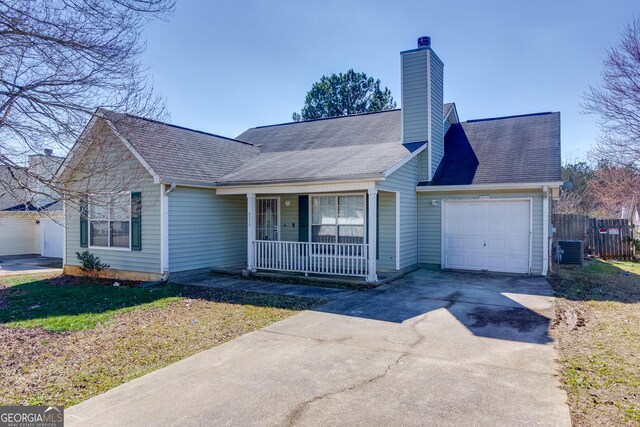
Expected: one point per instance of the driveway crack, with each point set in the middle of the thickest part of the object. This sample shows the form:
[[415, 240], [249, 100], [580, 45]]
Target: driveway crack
[[295, 415]]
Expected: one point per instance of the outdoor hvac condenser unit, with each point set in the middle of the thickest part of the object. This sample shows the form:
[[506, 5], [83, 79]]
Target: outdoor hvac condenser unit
[[572, 251]]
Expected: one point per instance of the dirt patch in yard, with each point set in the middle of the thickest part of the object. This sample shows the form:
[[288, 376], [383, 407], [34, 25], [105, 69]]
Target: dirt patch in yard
[[597, 327], [39, 366]]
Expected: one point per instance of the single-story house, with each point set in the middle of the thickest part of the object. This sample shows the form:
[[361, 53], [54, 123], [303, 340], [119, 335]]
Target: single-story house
[[356, 195], [31, 218]]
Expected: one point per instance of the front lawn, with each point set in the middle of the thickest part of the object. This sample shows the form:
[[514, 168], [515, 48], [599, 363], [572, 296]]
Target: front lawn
[[598, 330], [65, 340]]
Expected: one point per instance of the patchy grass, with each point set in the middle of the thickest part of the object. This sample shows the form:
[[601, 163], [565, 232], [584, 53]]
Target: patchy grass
[[73, 305], [64, 340], [598, 330]]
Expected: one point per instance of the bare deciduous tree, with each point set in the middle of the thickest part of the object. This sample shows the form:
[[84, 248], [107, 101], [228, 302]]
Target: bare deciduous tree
[[59, 61], [579, 200], [614, 188], [617, 101]]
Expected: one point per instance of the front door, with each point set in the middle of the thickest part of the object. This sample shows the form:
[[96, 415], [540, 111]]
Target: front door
[[267, 218]]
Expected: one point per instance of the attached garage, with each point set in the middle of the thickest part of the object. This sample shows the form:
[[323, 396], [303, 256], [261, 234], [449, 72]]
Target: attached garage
[[489, 230], [487, 235]]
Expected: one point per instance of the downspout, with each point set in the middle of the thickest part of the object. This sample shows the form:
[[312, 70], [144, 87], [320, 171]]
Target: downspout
[[164, 235], [545, 230], [165, 230], [170, 189]]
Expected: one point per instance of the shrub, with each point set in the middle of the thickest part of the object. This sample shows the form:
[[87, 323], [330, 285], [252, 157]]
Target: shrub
[[90, 264]]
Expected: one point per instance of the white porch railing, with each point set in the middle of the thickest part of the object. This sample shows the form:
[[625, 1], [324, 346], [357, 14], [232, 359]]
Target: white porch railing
[[344, 259]]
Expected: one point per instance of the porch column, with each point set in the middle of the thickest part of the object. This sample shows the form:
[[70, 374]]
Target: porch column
[[372, 235], [251, 230]]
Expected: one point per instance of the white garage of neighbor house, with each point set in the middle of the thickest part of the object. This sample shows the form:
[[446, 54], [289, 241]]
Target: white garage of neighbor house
[[31, 220], [367, 195], [27, 230]]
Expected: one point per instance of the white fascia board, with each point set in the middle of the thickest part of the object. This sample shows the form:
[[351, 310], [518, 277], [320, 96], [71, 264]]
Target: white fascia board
[[404, 161], [308, 187], [156, 177], [481, 187], [187, 183]]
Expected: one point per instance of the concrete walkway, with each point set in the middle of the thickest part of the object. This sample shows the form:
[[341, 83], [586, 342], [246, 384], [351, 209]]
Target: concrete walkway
[[267, 287], [430, 349]]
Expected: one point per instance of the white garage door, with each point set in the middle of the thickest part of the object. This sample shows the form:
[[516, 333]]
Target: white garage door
[[487, 235], [52, 238]]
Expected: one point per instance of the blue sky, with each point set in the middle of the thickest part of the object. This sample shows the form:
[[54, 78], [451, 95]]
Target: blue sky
[[225, 66]]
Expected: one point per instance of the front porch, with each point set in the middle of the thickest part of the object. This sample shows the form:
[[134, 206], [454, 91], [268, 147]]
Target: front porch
[[347, 235]]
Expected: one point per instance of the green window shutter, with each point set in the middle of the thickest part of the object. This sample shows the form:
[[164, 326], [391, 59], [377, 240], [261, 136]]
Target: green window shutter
[[136, 221], [84, 223], [303, 218]]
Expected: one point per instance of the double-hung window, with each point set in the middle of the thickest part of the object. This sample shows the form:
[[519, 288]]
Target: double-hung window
[[110, 221], [338, 219]]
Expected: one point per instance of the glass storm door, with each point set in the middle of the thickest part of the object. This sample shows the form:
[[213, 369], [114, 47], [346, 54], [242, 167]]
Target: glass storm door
[[267, 218]]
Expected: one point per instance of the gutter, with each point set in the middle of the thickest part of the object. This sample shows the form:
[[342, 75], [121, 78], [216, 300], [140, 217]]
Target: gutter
[[280, 182], [497, 186]]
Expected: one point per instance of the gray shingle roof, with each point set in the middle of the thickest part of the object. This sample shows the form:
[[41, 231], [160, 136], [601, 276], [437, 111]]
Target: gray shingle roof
[[358, 145], [502, 150], [181, 154]]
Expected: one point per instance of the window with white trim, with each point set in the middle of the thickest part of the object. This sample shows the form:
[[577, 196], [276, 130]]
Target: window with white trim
[[338, 219], [110, 221]]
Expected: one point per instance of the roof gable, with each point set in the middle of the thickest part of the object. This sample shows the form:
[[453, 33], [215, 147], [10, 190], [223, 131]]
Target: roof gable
[[180, 154], [171, 153]]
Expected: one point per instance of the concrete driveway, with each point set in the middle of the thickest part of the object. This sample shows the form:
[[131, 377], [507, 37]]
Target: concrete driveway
[[11, 265], [432, 348]]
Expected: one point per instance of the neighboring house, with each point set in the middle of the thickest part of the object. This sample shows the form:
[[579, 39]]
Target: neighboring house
[[355, 196], [31, 220], [632, 214]]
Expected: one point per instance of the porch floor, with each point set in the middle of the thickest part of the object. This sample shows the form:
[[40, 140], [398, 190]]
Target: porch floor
[[383, 276]]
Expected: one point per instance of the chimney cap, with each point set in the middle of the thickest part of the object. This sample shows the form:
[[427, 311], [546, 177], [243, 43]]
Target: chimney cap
[[424, 42], [48, 152]]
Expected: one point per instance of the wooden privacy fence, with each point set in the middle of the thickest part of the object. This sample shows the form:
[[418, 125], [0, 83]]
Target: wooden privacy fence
[[604, 238]]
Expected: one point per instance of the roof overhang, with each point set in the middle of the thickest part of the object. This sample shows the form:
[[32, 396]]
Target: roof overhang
[[485, 187], [306, 186]]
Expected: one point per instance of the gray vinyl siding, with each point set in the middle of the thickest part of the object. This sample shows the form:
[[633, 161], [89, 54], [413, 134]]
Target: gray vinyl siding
[[386, 230], [206, 230], [415, 106], [146, 260], [430, 224], [404, 181], [414, 96], [423, 166], [437, 117]]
